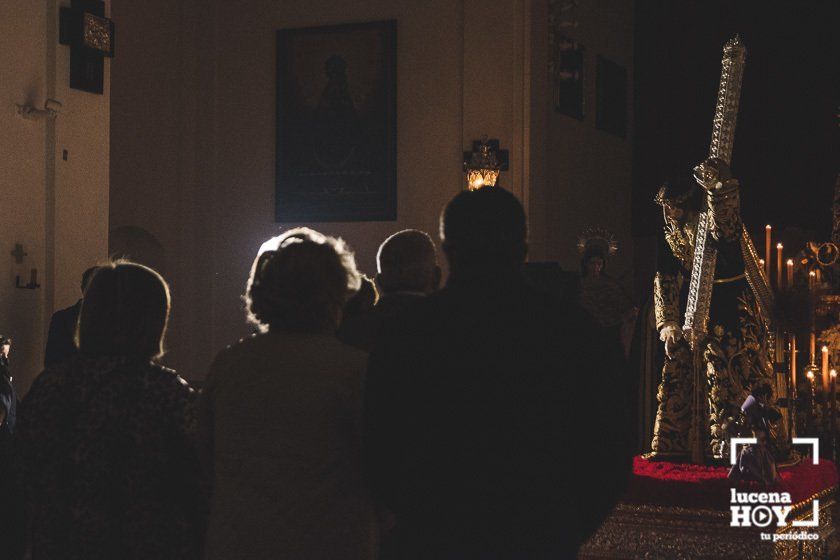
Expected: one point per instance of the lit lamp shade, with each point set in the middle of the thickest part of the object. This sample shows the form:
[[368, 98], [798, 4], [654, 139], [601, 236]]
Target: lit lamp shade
[[483, 164], [484, 177]]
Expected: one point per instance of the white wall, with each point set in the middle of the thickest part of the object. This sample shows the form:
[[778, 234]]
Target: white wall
[[22, 177], [57, 209], [80, 231], [581, 175]]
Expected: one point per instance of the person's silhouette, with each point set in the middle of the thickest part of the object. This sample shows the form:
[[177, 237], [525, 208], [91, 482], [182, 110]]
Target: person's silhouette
[[496, 422]]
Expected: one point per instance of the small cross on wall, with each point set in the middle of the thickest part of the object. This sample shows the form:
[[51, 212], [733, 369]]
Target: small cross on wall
[[19, 253]]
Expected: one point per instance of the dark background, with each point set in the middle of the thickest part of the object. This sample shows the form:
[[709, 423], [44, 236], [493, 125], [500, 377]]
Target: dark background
[[786, 142]]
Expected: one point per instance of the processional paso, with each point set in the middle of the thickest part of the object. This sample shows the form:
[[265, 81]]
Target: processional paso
[[712, 300]]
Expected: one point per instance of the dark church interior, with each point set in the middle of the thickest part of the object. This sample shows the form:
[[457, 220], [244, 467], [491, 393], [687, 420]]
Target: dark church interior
[[420, 279]]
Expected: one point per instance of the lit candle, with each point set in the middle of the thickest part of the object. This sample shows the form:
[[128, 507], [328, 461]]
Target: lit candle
[[779, 262], [768, 233], [812, 279], [825, 375], [793, 363], [811, 399], [813, 348], [789, 278]]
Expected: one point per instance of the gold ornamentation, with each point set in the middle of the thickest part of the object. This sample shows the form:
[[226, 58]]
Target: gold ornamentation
[[96, 33], [827, 254], [700, 286], [729, 95], [725, 207], [680, 239], [735, 362], [701, 390], [723, 136], [731, 279], [674, 410], [711, 381], [666, 299], [600, 238], [835, 210], [756, 278], [667, 532]]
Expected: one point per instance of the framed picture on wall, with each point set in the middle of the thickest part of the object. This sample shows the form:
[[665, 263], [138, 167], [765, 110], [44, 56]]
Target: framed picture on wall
[[336, 153], [611, 97], [567, 75]]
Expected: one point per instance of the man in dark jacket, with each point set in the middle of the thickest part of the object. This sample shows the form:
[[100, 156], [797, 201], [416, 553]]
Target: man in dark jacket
[[8, 396], [61, 337], [407, 272], [12, 525], [497, 424]]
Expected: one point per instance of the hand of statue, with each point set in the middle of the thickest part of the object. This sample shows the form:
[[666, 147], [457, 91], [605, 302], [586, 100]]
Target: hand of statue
[[712, 174], [670, 334], [723, 198]]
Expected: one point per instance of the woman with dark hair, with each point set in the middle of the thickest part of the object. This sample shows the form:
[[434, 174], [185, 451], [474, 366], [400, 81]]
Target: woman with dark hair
[[603, 297], [280, 414], [105, 440]]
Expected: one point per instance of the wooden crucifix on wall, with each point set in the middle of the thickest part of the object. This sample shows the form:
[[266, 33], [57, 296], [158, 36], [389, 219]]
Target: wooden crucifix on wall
[[90, 35]]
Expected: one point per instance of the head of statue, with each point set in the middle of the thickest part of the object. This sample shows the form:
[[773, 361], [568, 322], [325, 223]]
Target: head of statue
[[680, 200], [593, 263]]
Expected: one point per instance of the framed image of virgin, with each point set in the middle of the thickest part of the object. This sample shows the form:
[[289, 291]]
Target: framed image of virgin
[[336, 123]]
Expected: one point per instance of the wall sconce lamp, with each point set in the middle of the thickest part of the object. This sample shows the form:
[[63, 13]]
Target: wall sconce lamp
[[50, 110], [483, 164]]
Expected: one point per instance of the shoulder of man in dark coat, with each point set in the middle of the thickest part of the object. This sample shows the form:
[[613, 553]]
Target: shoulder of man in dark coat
[[365, 329]]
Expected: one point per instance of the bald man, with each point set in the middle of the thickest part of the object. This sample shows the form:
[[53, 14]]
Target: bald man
[[407, 270]]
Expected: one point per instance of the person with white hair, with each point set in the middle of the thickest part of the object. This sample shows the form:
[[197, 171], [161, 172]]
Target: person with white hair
[[280, 417]]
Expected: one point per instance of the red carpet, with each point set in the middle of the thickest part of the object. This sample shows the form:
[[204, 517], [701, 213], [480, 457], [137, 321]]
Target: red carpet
[[699, 486]]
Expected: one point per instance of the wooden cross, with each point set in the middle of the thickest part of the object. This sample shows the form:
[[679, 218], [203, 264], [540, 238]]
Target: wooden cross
[[19, 253], [90, 35]]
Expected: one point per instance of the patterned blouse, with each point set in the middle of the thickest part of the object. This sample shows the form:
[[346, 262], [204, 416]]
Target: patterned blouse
[[109, 465]]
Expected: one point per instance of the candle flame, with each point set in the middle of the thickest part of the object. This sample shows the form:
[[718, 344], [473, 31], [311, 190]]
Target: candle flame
[[768, 227], [761, 261], [812, 273], [810, 375], [834, 373], [790, 262], [779, 246]]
